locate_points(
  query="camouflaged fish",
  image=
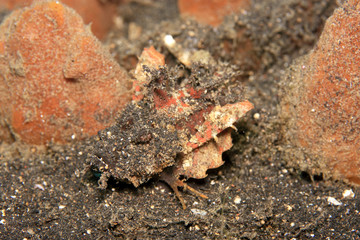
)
(175, 126)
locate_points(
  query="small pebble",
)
(200, 212)
(288, 207)
(237, 200)
(39, 186)
(348, 193)
(169, 40)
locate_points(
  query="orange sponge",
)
(57, 80)
(322, 99)
(211, 12)
(99, 14)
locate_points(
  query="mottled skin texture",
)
(138, 146)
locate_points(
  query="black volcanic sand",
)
(49, 192)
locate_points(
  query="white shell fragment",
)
(333, 201)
